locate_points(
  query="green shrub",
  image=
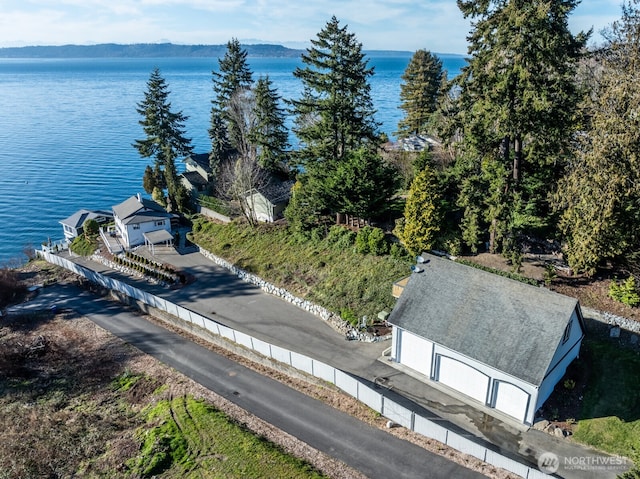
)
(362, 240)
(378, 244)
(371, 240)
(340, 237)
(349, 316)
(625, 292)
(398, 251)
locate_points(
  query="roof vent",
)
(416, 269)
(420, 260)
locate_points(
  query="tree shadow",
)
(602, 382)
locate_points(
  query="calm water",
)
(67, 126)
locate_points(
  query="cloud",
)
(436, 25)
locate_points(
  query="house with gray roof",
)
(139, 220)
(73, 225)
(197, 175)
(503, 344)
(267, 202)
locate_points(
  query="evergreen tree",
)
(220, 146)
(600, 194)
(422, 80)
(270, 134)
(165, 136)
(516, 107)
(334, 115)
(233, 76)
(361, 186)
(149, 181)
(422, 217)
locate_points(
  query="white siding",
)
(463, 378)
(415, 352)
(261, 207)
(510, 399)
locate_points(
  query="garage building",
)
(501, 343)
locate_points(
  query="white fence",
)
(347, 383)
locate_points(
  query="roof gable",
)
(139, 210)
(511, 326)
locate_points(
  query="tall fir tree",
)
(234, 75)
(517, 101)
(334, 117)
(419, 91)
(600, 194)
(165, 139)
(421, 222)
(270, 135)
(335, 114)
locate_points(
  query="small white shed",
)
(499, 342)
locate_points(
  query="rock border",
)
(334, 320)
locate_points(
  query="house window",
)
(567, 333)
(160, 223)
(136, 227)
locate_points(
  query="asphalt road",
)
(372, 451)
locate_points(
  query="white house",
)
(73, 225)
(138, 219)
(267, 202)
(197, 176)
(501, 343)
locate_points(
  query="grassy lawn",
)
(610, 413)
(185, 437)
(325, 270)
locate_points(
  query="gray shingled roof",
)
(202, 159)
(194, 177)
(139, 210)
(77, 219)
(276, 190)
(506, 324)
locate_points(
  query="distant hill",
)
(141, 50)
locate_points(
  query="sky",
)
(435, 25)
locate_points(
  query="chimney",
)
(139, 198)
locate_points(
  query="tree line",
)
(539, 137)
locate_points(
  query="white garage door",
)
(463, 378)
(415, 352)
(511, 399)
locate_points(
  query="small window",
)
(567, 332)
(136, 227)
(160, 223)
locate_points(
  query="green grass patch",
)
(324, 268)
(185, 436)
(83, 246)
(125, 381)
(610, 415)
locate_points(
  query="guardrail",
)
(347, 383)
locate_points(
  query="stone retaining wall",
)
(334, 320)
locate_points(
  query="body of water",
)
(67, 128)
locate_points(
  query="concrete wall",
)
(255, 348)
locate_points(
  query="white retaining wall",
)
(350, 385)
